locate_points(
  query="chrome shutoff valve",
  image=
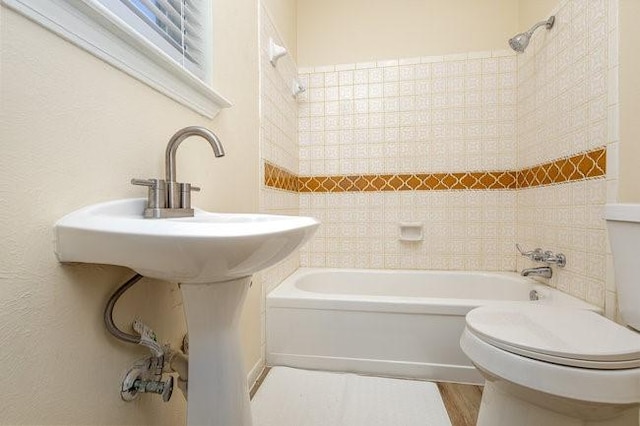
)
(145, 376)
(162, 388)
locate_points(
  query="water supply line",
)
(108, 312)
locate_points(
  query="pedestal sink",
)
(213, 257)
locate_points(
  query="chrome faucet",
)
(541, 271)
(169, 198)
(541, 256)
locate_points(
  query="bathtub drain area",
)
(294, 397)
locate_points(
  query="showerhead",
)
(520, 42)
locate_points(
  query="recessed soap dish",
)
(410, 231)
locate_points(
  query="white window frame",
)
(90, 25)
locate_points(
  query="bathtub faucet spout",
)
(542, 271)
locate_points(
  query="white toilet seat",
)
(582, 384)
(570, 337)
(563, 352)
(571, 362)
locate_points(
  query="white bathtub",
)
(391, 323)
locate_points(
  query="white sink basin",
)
(206, 248)
(219, 250)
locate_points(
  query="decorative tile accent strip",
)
(581, 166)
(280, 178)
(409, 182)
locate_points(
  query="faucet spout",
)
(176, 140)
(170, 157)
(541, 271)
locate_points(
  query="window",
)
(177, 27)
(164, 43)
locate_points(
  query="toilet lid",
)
(564, 336)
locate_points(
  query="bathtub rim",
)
(288, 295)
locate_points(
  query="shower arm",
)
(548, 23)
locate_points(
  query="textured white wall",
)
(74, 131)
(339, 31)
(532, 11)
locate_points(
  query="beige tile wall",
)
(562, 85)
(463, 230)
(567, 218)
(278, 108)
(432, 114)
(566, 104)
(451, 113)
(278, 145)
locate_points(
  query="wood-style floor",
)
(461, 401)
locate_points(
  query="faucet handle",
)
(558, 259)
(157, 191)
(536, 255)
(531, 253)
(145, 182)
(185, 194)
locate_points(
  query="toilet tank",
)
(623, 223)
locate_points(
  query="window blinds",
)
(180, 23)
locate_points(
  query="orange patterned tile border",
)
(409, 182)
(587, 165)
(279, 178)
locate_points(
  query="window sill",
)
(90, 26)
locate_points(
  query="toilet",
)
(555, 366)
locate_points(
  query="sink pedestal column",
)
(218, 394)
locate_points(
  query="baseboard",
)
(254, 373)
(410, 370)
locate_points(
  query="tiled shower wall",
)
(433, 114)
(278, 145)
(463, 230)
(422, 115)
(567, 103)
(487, 111)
